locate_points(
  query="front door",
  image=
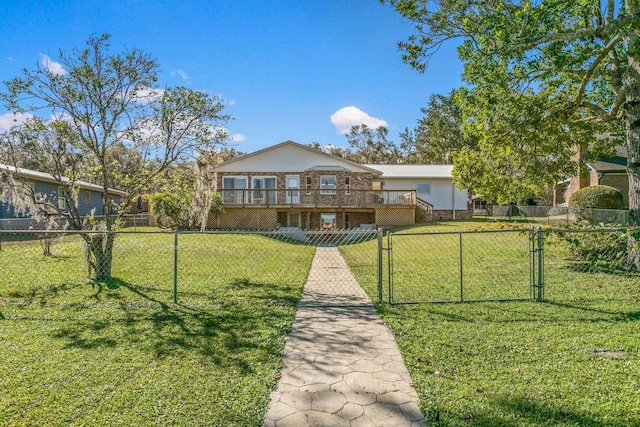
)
(293, 182)
(294, 219)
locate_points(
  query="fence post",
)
(389, 266)
(532, 261)
(461, 272)
(175, 267)
(540, 264)
(379, 264)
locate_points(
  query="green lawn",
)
(120, 352)
(571, 361)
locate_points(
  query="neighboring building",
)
(46, 186)
(292, 185)
(611, 171)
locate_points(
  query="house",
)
(46, 187)
(292, 185)
(611, 171)
(433, 185)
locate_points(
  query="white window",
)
(233, 189)
(347, 185)
(263, 190)
(308, 183)
(423, 188)
(328, 184)
(61, 199)
(87, 197)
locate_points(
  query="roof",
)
(327, 168)
(615, 164)
(47, 177)
(414, 171)
(313, 150)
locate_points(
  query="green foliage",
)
(111, 124)
(597, 197)
(371, 145)
(545, 78)
(439, 133)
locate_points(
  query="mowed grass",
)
(570, 361)
(75, 352)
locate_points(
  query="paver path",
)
(342, 364)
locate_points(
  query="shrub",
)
(597, 197)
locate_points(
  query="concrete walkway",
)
(342, 364)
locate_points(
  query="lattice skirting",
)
(395, 217)
(246, 218)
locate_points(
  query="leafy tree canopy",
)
(545, 77)
(111, 124)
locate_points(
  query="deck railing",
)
(316, 198)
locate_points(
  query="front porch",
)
(315, 198)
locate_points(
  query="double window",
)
(328, 184)
(263, 190)
(233, 189)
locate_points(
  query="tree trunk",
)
(632, 110)
(100, 254)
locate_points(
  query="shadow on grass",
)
(515, 312)
(518, 411)
(248, 324)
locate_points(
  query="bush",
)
(597, 197)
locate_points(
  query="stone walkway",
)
(342, 364)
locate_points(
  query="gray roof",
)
(47, 177)
(615, 164)
(327, 168)
(414, 171)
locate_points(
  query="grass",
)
(75, 352)
(570, 361)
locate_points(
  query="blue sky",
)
(284, 68)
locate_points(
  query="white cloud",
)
(9, 120)
(346, 117)
(52, 66)
(237, 137)
(183, 75)
(147, 95)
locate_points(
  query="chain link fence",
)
(460, 266)
(170, 266)
(554, 264)
(557, 215)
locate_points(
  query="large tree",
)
(369, 145)
(567, 73)
(439, 133)
(110, 121)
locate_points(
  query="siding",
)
(287, 159)
(441, 192)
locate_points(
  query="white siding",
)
(442, 192)
(288, 158)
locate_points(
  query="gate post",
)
(175, 267)
(379, 264)
(540, 296)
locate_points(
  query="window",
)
(328, 184)
(239, 184)
(308, 183)
(87, 197)
(327, 221)
(423, 188)
(347, 220)
(61, 199)
(259, 185)
(347, 185)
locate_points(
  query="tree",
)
(560, 70)
(371, 145)
(439, 133)
(106, 109)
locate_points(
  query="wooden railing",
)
(316, 198)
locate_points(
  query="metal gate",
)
(497, 265)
